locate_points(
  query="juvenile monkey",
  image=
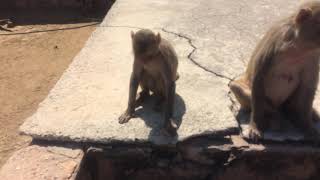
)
(282, 75)
(154, 69)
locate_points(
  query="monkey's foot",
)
(125, 117)
(254, 134)
(170, 128)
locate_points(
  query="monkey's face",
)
(145, 43)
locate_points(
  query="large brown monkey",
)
(282, 76)
(154, 69)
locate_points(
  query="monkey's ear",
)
(158, 37)
(303, 15)
(132, 34)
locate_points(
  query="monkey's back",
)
(268, 48)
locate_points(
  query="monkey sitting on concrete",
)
(154, 69)
(282, 75)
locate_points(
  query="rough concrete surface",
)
(213, 39)
(39, 162)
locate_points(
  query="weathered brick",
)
(38, 163)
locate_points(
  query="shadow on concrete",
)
(155, 119)
(54, 16)
(50, 15)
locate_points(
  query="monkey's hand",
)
(125, 117)
(170, 128)
(254, 134)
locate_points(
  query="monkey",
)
(282, 75)
(155, 70)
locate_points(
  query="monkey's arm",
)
(259, 103)
(170, 85)
(300, 103)
(133, 86)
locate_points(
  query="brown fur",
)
(154, 69)
(282, 75)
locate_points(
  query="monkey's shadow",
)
(155, 120)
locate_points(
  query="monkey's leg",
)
(142, 96)
(177, 76)
(263, 116)
(299, 110)
(145, 84)
(170, 125)
(129, 113)
(242, 92)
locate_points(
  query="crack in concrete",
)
(189, 40)
(232, 107)
(194, 49)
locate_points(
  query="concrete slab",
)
(86, 102)
(213, 39)
(40, 162)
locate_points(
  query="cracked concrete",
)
(68, 113)
(213, 39)
(192, 52)
(86, 102)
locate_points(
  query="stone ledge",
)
(202, 159)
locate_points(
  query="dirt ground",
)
(31, 63)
